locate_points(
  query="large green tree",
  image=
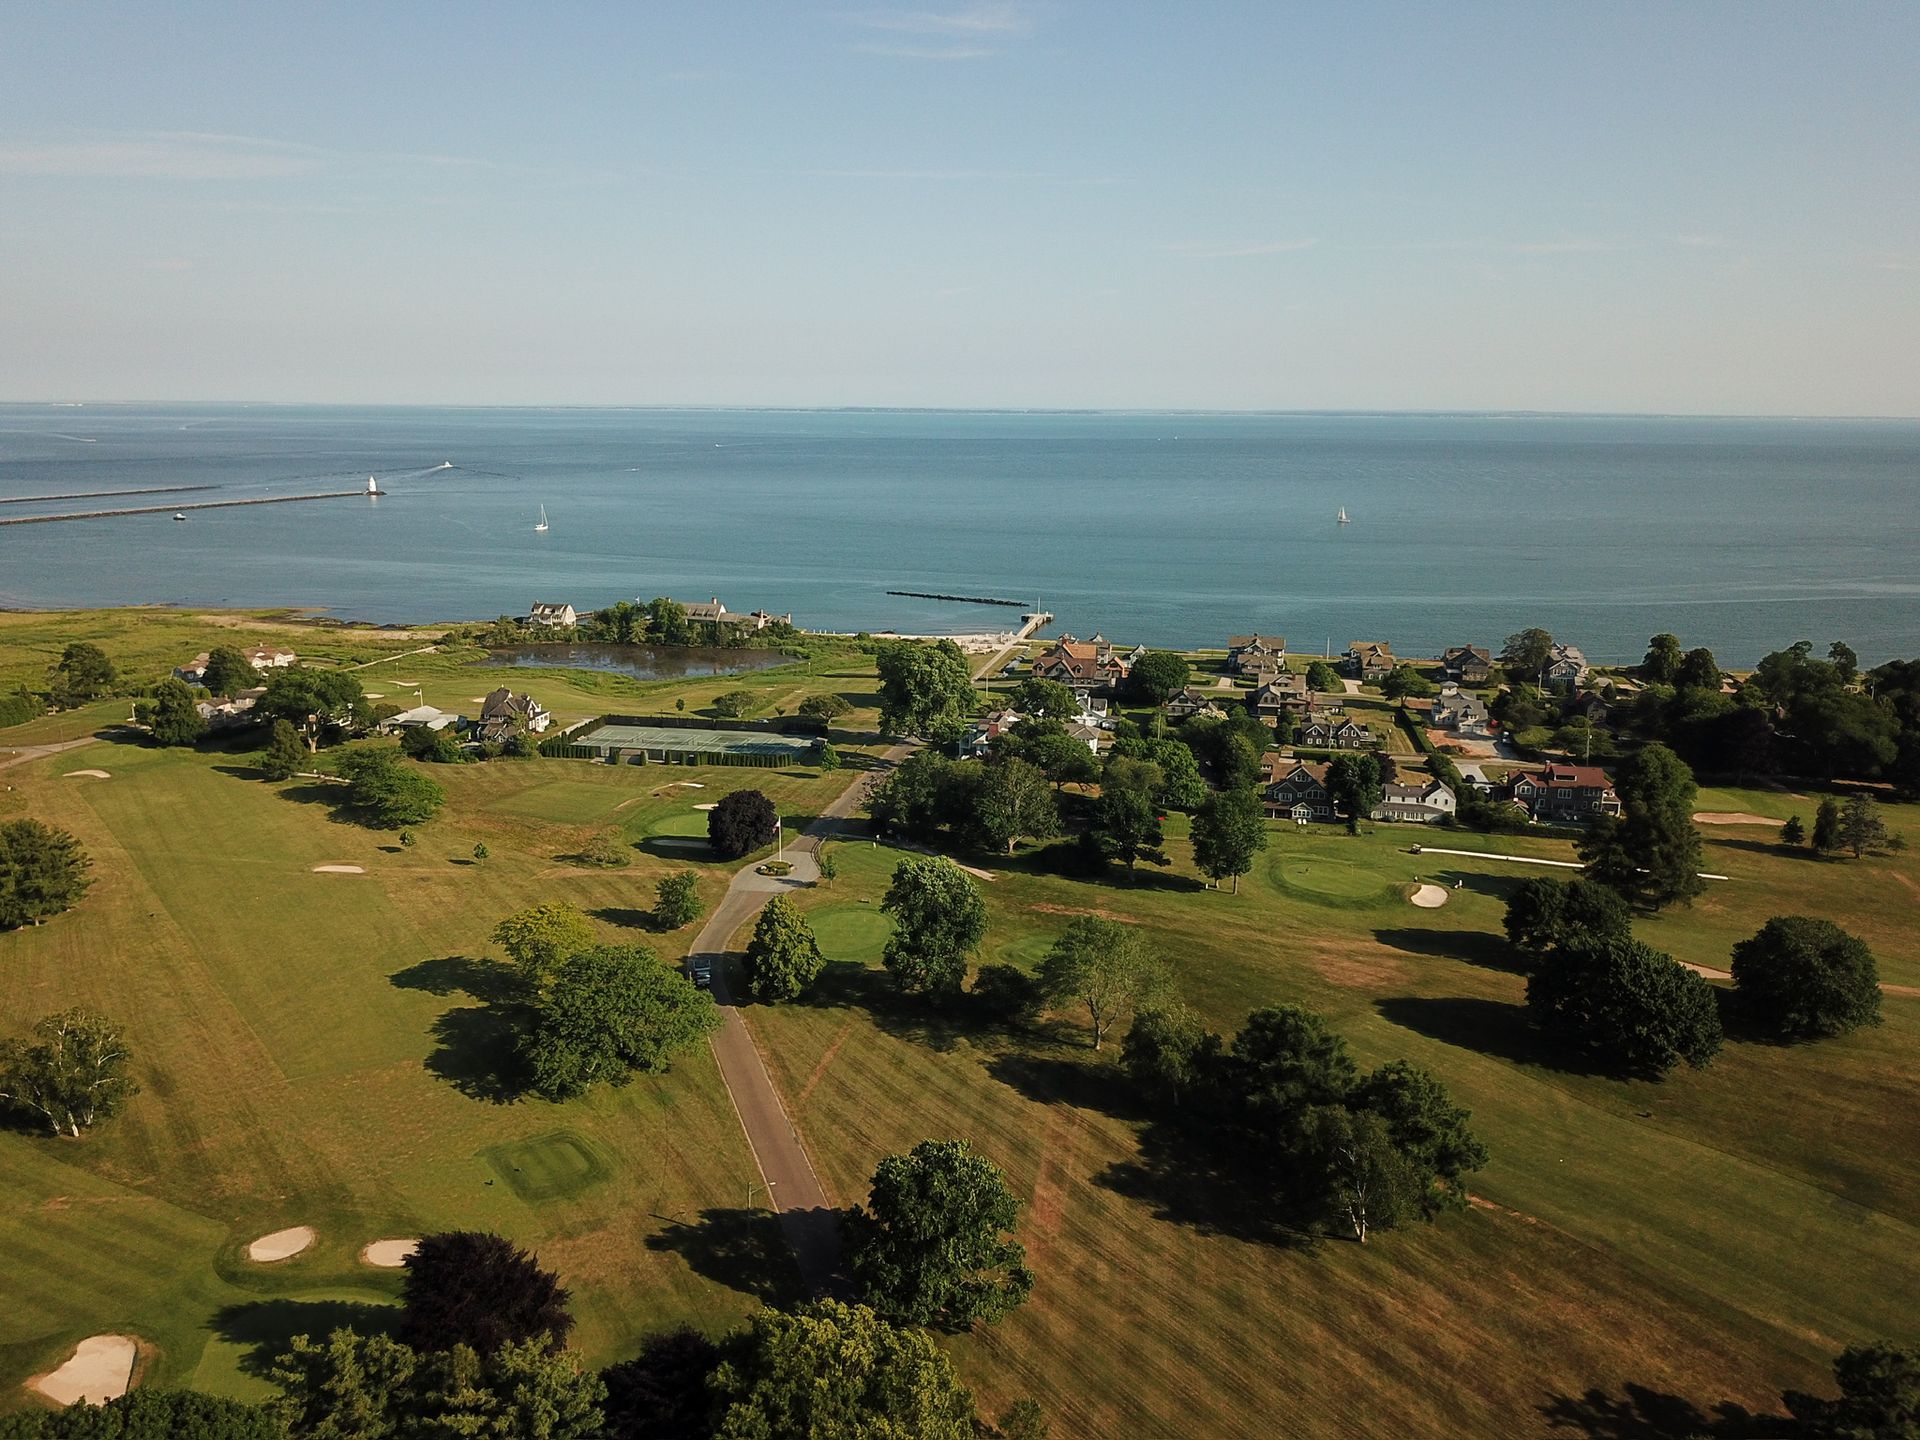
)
(1544, 915)
(783, 958)
(925, 689)
(1652, 853)
(1353, 780)
(676, 900)
(1861, 828)
(1428, 1129)
(1636, 1010)
(741, 823)
(1169, 1051)
(324, 705)
(1801, 978)
(1014, 802)
(1157, 675)
(73, 1071)
(930, 1247)
(1047, 699)
(228, 671)
(1229, 829)
(386, 791)
(608, 1012)
(43, 871)
(1126, 827)
(478, 1289)
(1527, 653)
(149, 1414)
(939, 919)
(284, 753)
(538, 938)
(172, 716)
(84, 673)
(1879, 1396)
(832, 1371)
(1662, 660)
(1106, 967)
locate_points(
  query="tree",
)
(43, 871)
(927, 1249)
(1126, 827)
(324, 705)
(480, 851)
(661, 1394)
(1698, 670)
(1428, 1130)
(823, 707)
(733, 704)
(1107, 967)
(677, 900)
(1527, 653)
(741, 823)
(825, 758)
(939, 919)
(1802, 978)
(1653, 853)
(1050, 699)
(149, 1414)
(1169, 1050)
(84, 673)
(1229, 829)
(913, 800)
(284, 753)
(925, 690)
(1794, 832)
(1365, 1182)
(1845, 662)
(1403, 681)
(1014, 801)
(1663, 660)
(1861, 828)
(1640, 1011)
(1063, 759)
(1158, 675)
(1181, 787)
(1879, 1396)
(386, 792)
(172, 716)
(1546, 915)
(608, 1012)
(472, 1288)
(831, 1371)
(828, 866)
(228, 671)
(1006, 995)
(70, 1074)
(1826, 826)
(540, 937)
(783, 958)
(433, 747)
(349, 1387)
(667, 621)
(1353, 781)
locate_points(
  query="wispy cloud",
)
(982, 19)
(192, 155)
(926, 52)
(1198, 251)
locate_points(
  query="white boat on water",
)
(179, 515)
(1343, 516)
(541, 528)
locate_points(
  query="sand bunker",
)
(408, 684)
(89, 774)
(99, 1370)
(389, 1254)
(1429, 897)
(710, 805)
(339, 870)
(1731, 817)
(280, 1245)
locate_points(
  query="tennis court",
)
(662, 745)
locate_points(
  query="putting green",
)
(1027, 951)
(247, 1338)
(691, 823)
(1329, 881)
(546, 1167)
(850, 932)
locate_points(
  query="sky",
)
(1696, 208)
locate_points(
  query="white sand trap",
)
(375, 695)
(99, 1370)
(1429, 897)
(1731, 817)
(389, 1254)
(281, 1244)
(710, 805)
(89, 774)
(339, 870)
(408, 684)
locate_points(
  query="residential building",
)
(1251, 654)
(1285, 690)
(1563, 794)
(554, 617)
(989, 728)
(1193, 701)
(1567, 669)
(1454, 709)
(1332, 730)
(262, 658)
(1297, 791)
(504, 714)
(1467, 665)
(420, 716)
(1084, 666)
(1369, 660)
(1424, 801)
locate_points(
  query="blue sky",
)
(1689, 208)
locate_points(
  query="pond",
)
(642, 662)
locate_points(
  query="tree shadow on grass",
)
(626, 919)
(1640, 1413)
(490, 981)
(1499, 887)
(265, 1328)
(1083, 1082)
(241, 772)
(1771, 848)
(938, 1024)
(1188, 1181)
(744, 1250)
(1492, 1027)
(1474, 947)
(477, 1052)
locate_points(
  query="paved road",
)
(21, 754)
(794, 1189)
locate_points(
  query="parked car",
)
(701, 969)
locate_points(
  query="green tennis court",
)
(693, 746)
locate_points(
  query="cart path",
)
(794, 1189)
(21, 754)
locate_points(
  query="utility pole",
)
(768, 1187)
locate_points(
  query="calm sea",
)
(1744, 535)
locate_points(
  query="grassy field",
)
(1708, 1240)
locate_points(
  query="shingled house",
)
(1297, 791)
(1284, 691)
(1369, 660)
(504, 714)
(1083, 666)
(1564, 794)
(1184, 704)
(1254, 654)
(1426, 802)
(553, 617)
(1467, 665)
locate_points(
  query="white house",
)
(554, 617)
(1416, 803)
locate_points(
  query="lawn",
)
(1707, 1240)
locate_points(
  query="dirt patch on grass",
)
(1732, 817)
(87, 775)
(281, 1244)
(99, 1370)
(820, 1070)
(1093, 910)
(388, 1254)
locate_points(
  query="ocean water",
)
(1743, 535)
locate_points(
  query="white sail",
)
(541, 528)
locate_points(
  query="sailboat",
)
(541, 528)
(1343, 516)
